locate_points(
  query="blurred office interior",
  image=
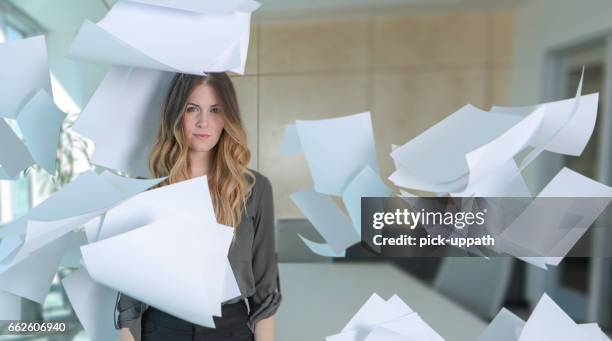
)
(410, 63)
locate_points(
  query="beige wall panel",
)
(283, 99)
(309, 45)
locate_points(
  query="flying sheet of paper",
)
(291, 140)
(126, 146)
(23, 72)
(591, 331)
(8, 245)
(72, 255)
(75, 198)
(179, 199)
(93, 304)
(93, 228)
(505, 326)
(327, 218)
(40, 121)
(206, 6)
(365, 184)
(185, 257)
(337, 149)
(383, 334)
(378, 319)
(562, 127)
(549, 322)
(230, 286)
(557, 241)
(14, 156)
(128, 26)
(375, 311)
(499, 153)
(410, 326)
(432, 161)
(503, 181)
(10, 306)
(31, 278)
(40, 233)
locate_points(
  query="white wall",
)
(544, 25)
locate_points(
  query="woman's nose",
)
(202, 121)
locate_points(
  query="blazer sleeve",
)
(129, 309)
(267, 297)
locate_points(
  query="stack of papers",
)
(386, 320)
(547, 322)
(341, 156)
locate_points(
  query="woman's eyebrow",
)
(189, 103)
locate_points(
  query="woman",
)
(201, 133)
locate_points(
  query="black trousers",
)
(157, 325)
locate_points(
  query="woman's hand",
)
(125, 335)
(264, 329)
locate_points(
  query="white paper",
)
(122, 37)
(93, 304)
(123, 141)
(384, 334)
(550, 238)
(184, 256)
(327, 218)
(503, 182)
(291, 140)
(23, 71)
(375, 311)
(549, 322)
(40, 122)
(14, 156)
(481, 145)
(380, 320)
(365, 184)
(87, 193)
(412, 326)
(185, 198)
(8, 245)
(31, 278)
(505, 326)
(337, 149)
(230, 286)
(40, 233)
(437, 156)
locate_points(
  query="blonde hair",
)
(229, 180)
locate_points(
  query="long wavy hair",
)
(229, 180)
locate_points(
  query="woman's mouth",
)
(201, 136)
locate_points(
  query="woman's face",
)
(203, 118)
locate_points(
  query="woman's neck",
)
(199, 163)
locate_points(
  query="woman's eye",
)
(192, 109)
(215, 110)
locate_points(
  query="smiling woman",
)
(201, 133)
